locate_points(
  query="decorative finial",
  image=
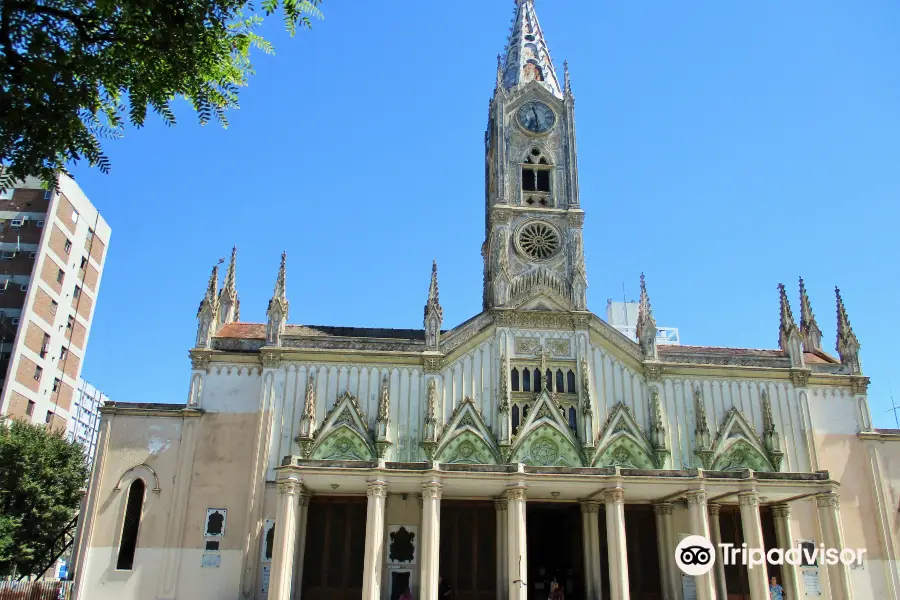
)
(646, 325)
(787, 324)
(277, 313)
(206, 313)
(847, 343)
(567, 84)
(809, 329)
(434, 313)
(229, 304)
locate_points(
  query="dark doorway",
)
(468, 552)
(642, 543)
(554, 550)
(335, 549)
(736, 581)
(399, 583)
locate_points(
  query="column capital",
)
(290, 487)
(696, 498)
(614, 496)
(432, 490)
(376, 489)
(516, 492)
(781, 511)
(663, 508)
(714, 509)
(748, 498)
(828, 500)
(500, 504)
(590, 506)
(305, 497)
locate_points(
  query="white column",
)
(301, 544)
(781, 513)
(377, 494)
(715, 531)
(590, 535)
(284, 545)
(751, 525)
(663, 512)
(699, 525)
(500, 505)
(517, 544)
(431, 535)
(833, 537)
(615, 541)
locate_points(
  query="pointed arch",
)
(545, 438)
(467, 439)
(737, 446)
(343, 435)
(623, 443)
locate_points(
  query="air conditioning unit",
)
(16, 223)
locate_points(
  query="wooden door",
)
(468, 552)
(335, 549)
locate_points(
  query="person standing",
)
(776, 592)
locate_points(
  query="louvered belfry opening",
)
(131, 525)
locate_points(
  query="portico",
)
(626, 515)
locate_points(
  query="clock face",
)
(536, 117)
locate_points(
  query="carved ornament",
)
(515, 493)
(614, 496)
(200, 359)
(859, 385)
(696, 498)
(663, 508)
(829, 500)
(500, 504)
(652, 372)
(376, 489)
(270, 358)
(781, 511)
(748, 498)
(432, 364)
(291, 487)
(432, 490)
(714, 509)
(800, 377)
(590, 507)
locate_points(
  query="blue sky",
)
(724, 147)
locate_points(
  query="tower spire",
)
(809, 329)
(206, 313)
(646, 324)
(229, 304)
(277, 313)
(434, 313)
(527, 55)
(847, 344)
(788, 334)
(567, 83)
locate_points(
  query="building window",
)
(48, 195)
(68, 245)
(6, 194)
(560, 381)
(45, 345)
(515, 419)
(40, 223)
(573, 423)
(570, 381)
(549, 380)
(14, 320)
(526, 380)
(131, 525)
(53, 306)
(56, 383)
(74, 216)
(60, 276)
(535, 180)
(515, 380)
(38, 372)
(70, 322)
(215, 523)
(16, 222)
(24, 287)
(537, 380)
(30, 409)
(7, 255)
(32, 255)
(90, 235)
(84, 262)
(49, 417)
(77, 293)
(63, 353)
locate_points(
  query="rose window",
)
(539, 241)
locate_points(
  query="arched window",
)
(515, 380)
(536, 178)
(560, 381)
(549, 380)
(537, 380)
(131, 525)
(526, 380)
(570, 381)
(515, 419)
(572, 418)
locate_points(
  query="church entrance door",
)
(468, 556)
(736, 581)
(335, 549)
(554, 550)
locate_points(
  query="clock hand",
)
(537, 119)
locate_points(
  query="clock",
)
(536, 117)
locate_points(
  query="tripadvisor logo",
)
(695, 555)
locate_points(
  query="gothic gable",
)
(622, 442)
(545, 438)
(467, 439)
(737, 446)
(343, 435)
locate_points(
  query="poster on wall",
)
(403, 543)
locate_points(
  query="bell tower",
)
(533, 249)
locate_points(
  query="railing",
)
(37, 590)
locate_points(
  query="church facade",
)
(532, 442)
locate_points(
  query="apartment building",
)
(84, 422)
(53, 246)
